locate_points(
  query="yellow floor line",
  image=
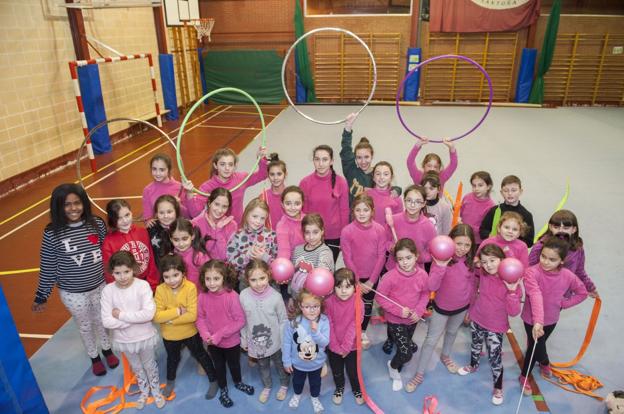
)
(18, 271)
(230, 127)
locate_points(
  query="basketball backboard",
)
(177, 12)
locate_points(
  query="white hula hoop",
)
(328, 29)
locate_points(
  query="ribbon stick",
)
(358, 343)
(457, 204)
(559, 207)
(390, 222)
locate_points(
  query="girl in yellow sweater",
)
(176, 312)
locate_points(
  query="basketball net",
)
(203, 27)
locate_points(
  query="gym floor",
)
(546, 148)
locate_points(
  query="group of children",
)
(200, 267)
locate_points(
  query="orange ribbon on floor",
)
(583, 384)
(115, 394)
(358, 344)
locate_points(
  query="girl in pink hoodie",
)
(453, 281)
(382, 194)
(215, 225)
(495, 302)
(342, 354)
(327, 193)
(187, 242)
(220, 319)
(550, 288)
(164, 183)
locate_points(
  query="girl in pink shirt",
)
(382, 194)
(403, 295)
(288, 229)
(273, 196)
(550, 288)
(476, 204)
(327, 194)
(224, 174)
(495, 302)
(215, 225)
(363, 243)
(342, 354)
(127, 308)
(431, 162)
(187, 242)
(220, 319)
(510, 228)
(164, 183)
(453, 281)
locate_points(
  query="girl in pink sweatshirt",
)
(327, 194)
(510, 228)
(186, 241)
(127, 308)
(215, 225)
(220, 319)
(476, 204)
(382, 194)
(363, 243)
(453, 282)
(403, 295)
(164, 183)
(342, 354)
(277, 172)
(431, 162)
(550, 288)
(413, 224)
(288, 229)
(224, 174)
(496, 301)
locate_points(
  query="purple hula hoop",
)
(424, 62)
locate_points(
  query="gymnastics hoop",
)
(93, 131)
(328, 29)
(188, 115)
(433, 59)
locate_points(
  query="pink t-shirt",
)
(407, 289)
(364, 249)
(421, 231)
(454, 285)
(381, 200)
(494, 303)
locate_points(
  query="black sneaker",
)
(414, 348)
(247, 389)
(337, 397)
(225, 399)
(387, 346)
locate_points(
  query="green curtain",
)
(301, 56)
(546, 54)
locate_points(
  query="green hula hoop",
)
(188, 116)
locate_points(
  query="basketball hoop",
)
(203, 27)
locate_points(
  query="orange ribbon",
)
(457, 204)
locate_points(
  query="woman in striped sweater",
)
(71, 257)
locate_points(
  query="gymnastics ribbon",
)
(495, 220)
(358, 346)
(559, 207)
(430, 405)
(115, 393)
(581, 383)
(457, 204)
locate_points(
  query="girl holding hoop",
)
(71, 257)
(224, 174)
(431, 162)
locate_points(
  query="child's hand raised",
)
(422, 141)
(262, 152)
(449, 144)
(187, 185)
(349, 122)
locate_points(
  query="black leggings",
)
(401, 336)
(221, 356)
(540, 355)
(338, 364)
(334, 245)
(194, 344)
(368, 304)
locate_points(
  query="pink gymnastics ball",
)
(510, 270)
(320, 282)
(282, 269)
(442, 247)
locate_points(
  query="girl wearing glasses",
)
(564, 225)
(303, 348)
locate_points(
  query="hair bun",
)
(274, 156)
(364, 140)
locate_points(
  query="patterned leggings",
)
(85, 309)
(494, 345)
(144, 366)
(401, 336)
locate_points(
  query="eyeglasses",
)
(311, 307)
(411, 202)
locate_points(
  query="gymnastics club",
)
(390, 222)
(387, 298)
(526, 378)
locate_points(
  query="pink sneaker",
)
(526, 387)
(545, 370)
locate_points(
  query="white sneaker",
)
(366, 343)
(468, 369)
(497, 396)
(317, 406)
(395, 376)
(294, 401)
